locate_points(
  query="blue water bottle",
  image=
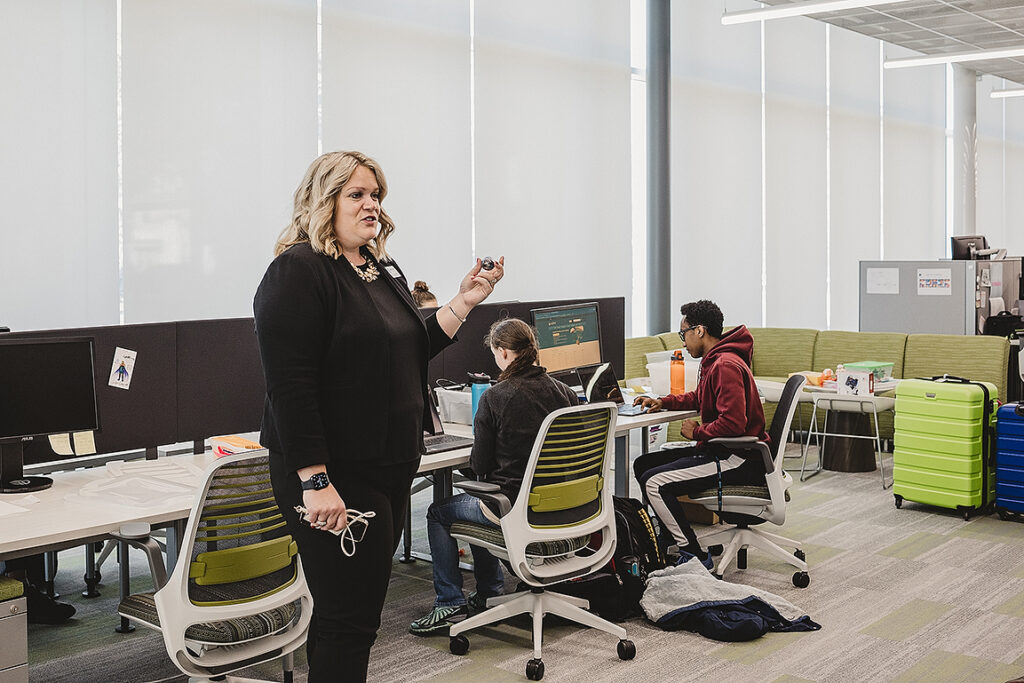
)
(479, 382)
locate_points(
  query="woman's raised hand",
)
(478, 283)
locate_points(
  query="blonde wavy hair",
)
(313, 212)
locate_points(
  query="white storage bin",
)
(455, 405)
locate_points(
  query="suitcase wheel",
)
(1003, 515)
(899, 501)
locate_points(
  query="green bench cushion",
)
(981, 358)
(779, 351)
(636, 360)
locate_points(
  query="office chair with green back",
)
(242, 598)
(546, 535)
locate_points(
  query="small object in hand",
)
(487, 263)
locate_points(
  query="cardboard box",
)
(855, 382)
(881, 371)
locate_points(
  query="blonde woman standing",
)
(345, 358)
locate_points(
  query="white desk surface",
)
(62, 518)
(622, 424)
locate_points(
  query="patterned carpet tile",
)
(974, 632)
(957, 668)
(911, 547)
(907, 620)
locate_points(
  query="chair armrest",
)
(747, 443)
(133, 536)
(489, 492)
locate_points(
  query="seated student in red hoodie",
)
(729, 405)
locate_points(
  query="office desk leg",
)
(442, 484)
(50, 572)
(92, 577)
(175, 532)
(407, 557)
(124, 578)
(622, 465)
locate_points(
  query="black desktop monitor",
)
(966, 247)
(47, 387)
(568, 336)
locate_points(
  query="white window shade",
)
(396, 84)
(716, 162)
(219, 126)
(914, 161)
(795, 173)
(552, 146)
(854, 190)
(58, 164)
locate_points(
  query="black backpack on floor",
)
(615, 590)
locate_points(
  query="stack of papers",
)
(232, 444)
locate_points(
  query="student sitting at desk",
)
(729, 406)
(506, 424)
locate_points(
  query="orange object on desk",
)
(677, 379)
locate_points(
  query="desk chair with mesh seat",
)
(746, 507)
(546, 535)
(242, 598)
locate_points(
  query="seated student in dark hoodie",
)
(507, 421)
(729, 406)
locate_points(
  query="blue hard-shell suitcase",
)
(1010, 460)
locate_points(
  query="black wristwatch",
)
(316, 482)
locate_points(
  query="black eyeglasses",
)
(682, 333)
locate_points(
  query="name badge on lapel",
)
(392, 270)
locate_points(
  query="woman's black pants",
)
(348, 592)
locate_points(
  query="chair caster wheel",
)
(717, 576)
(535, 669)
(801, 579)
(626, 650)
(458, 645)
(716, 550)
(799, 554)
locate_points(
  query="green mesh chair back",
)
(242, 550)
(566, 484)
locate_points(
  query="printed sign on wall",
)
(934, 282)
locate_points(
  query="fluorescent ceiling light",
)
(954, 57)
(800, 9)
(1009, 92)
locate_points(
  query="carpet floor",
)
(915, 594)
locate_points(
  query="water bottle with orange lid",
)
(678, 373)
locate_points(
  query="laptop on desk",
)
(434, 438)
(599, 384)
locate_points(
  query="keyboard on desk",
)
(630, 410)
(439, 443)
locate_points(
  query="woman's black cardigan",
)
(326, 360)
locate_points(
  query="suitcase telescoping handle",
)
(948, 378)
(1019, 409)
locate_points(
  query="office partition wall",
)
(220, 385)
(142, 416)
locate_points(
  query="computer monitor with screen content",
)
(969, 247)
(568, 336)
(47, 387)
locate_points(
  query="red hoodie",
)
(726, 395)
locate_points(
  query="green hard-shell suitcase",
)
(943, 443)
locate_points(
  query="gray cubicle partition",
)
(918, 297)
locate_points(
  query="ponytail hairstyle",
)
(422, 295)
(515, 335)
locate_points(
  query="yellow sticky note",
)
(85, 444)
(61, 444)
